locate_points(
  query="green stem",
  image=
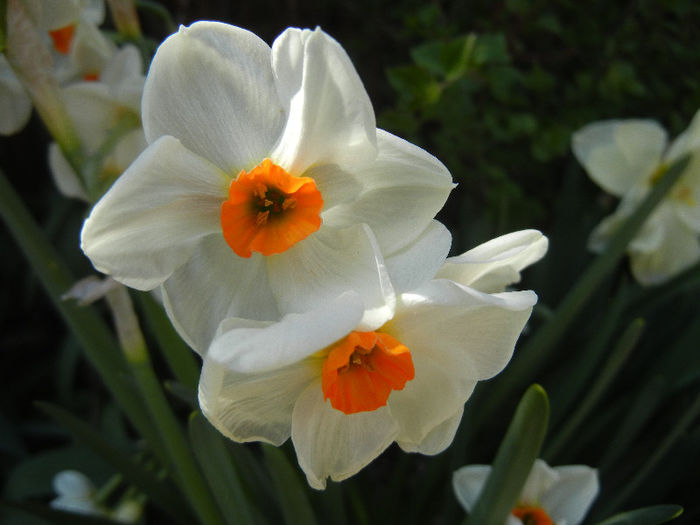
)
(631, 486)
(90, 330)
(181, 458)
(617, 359)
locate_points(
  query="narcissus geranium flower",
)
(344, 393)
(551, 496)
(266, 188)
(626, 158)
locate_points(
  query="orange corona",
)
(362, 369)
(268, 210)
(62, 38)
(531, 515)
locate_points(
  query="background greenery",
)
(493, 89)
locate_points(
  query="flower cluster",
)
(296, 250)
(627, 158)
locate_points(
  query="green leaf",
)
(646, 516)
(290, 489)
(516, 455)
(3, 25)
(219, 471)
(178, 355)
(491, 49)
(160, 491)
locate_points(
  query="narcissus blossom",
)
(551, 496)
(266, 188)
(626, 158)
(106, 115)
(345, 393)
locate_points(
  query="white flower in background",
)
(76, 493)
(81, 53)
(98, 108)
(266, 188)
(551, 496)
(344, 393)
(626, 158)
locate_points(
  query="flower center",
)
(268, 210)
(531, 515)
(62, 38)
(362, 369)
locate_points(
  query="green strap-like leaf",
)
(159, 491)
(219, 471)
(290, 491)
(55, 516)
(516, 455)
(646, 516)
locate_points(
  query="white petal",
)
(327, 264)
(73, 483)
(215, 284)
(471, 334)
(572, 495)
(65, 178)
(15, 106)
(685, 195)
(332, 444)
(125, 64)
(331, 120)
(428, 400)
(91, 50)
(456, 336)
(492, 266)
(150, 221)
(538, 481)
(468, 482)
(402, 191)
(94, 112)
(211, 86)
(438, 439)
(617, 154)
(250, 350)
(252, 407)
(418, 262)
(678, 250)
(336, 184)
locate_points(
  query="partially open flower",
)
(551, 496)
(626, 158)
(344, 393)
(266, 188)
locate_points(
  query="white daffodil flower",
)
(551, 496)
(98, 108)
(76, 493)
(266, 188)
(344, 393)
(626, 158)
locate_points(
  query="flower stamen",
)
(62, 38)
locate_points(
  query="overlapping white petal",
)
(565, 493)
(404, 181)
(330, 117)
(211, 86)
(149, 223)
(331, 444)
(492, 266)
(618, 154)
(327, 264)
(213, 285)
